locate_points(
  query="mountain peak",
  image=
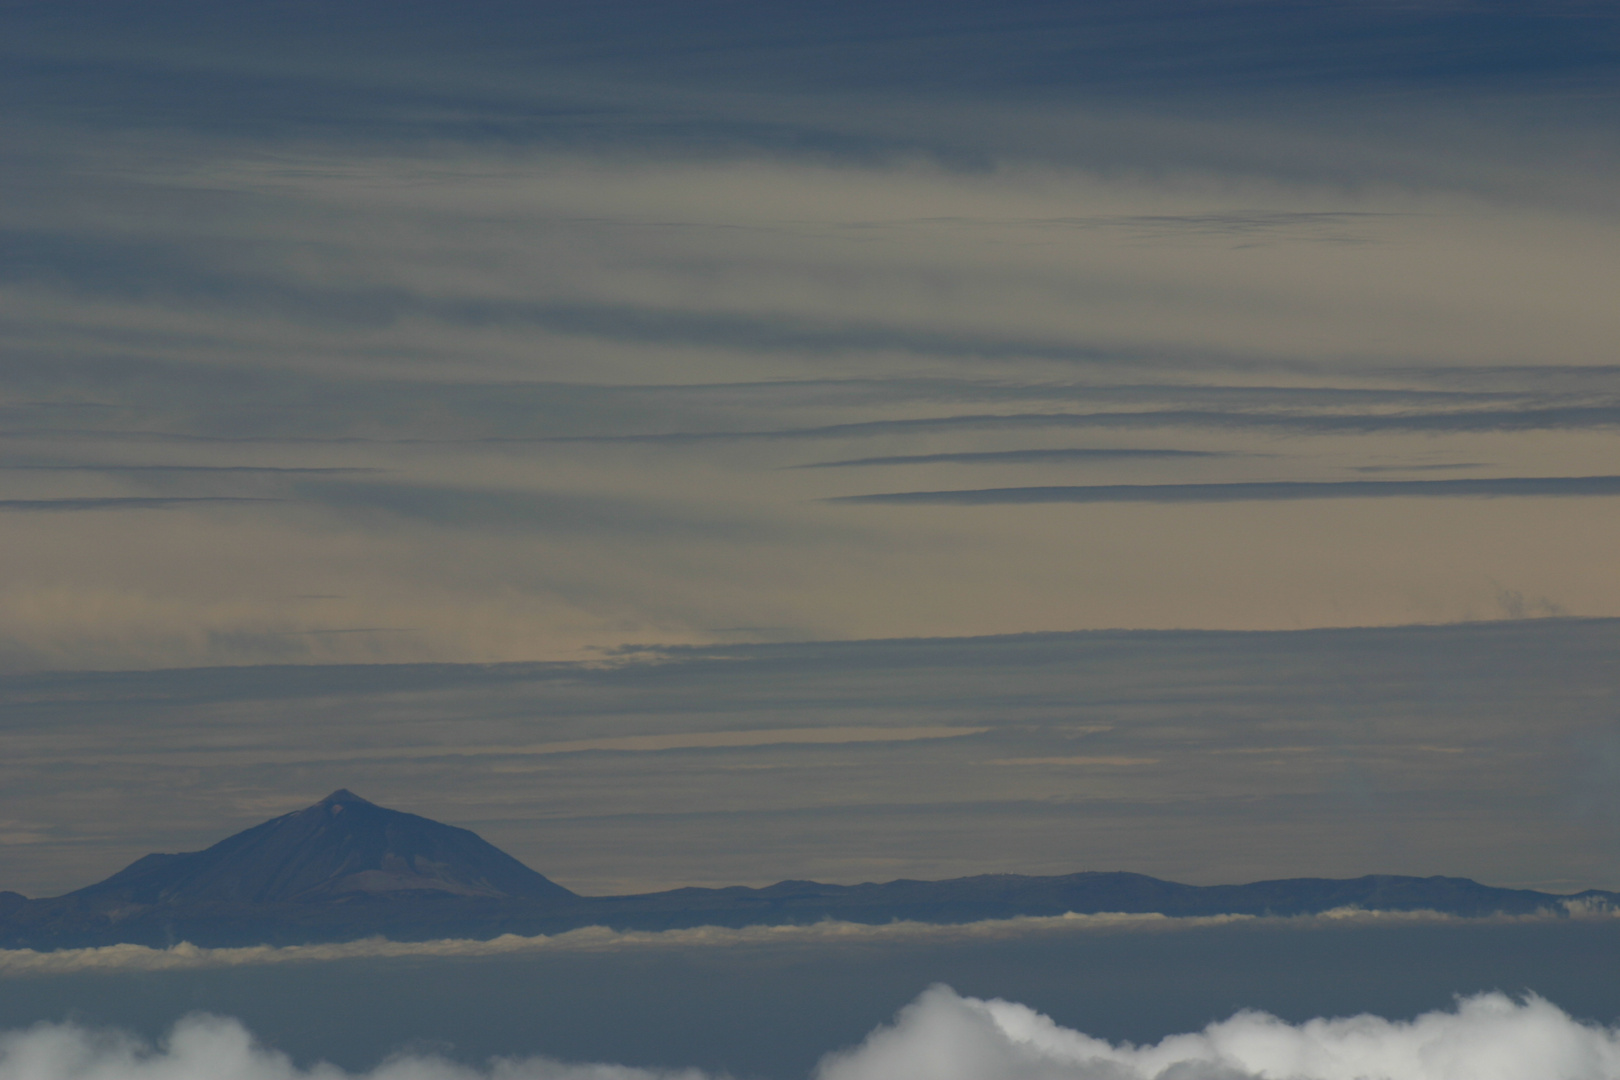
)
(341, 848)
(343, 797)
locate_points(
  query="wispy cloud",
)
(1419, 467)
(545, 333)
(1016, 457)
(1456, 421)
(514, 755)
(1265, 491)
(476, 508)
(68, 505)
(247, 470)
(1078, 760)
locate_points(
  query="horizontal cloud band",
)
(1451, 421)
(1014, 457)
(186, 956)
(133, 502)
(1262, 491)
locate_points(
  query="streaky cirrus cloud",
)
(1016, 457)
(1263, 491)
(523, 313)
(1472, 420)
(943, 1036)
(63, 506)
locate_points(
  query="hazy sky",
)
(1487, 750)
(665, 353)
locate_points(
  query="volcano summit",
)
(342, 848)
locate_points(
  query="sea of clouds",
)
(186, 956)
(945, 1036)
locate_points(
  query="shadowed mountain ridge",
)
(345, 869)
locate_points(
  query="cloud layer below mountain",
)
(945, 1036)
(186, 956)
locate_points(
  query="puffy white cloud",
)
(943, 1036)
(216, 1048)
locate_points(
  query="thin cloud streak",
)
(132, 502)
(1501, 420)
(1015, 457)
(624, 744)
(271, 470)
(1264, 491)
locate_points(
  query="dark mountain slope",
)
(340, 848)
(345, 869)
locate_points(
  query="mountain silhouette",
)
(341, 848)
(345, 869)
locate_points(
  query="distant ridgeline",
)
(346, 869)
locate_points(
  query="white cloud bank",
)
(943, 1036)
(185, 955)
(598, 938)
(216, 1048)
